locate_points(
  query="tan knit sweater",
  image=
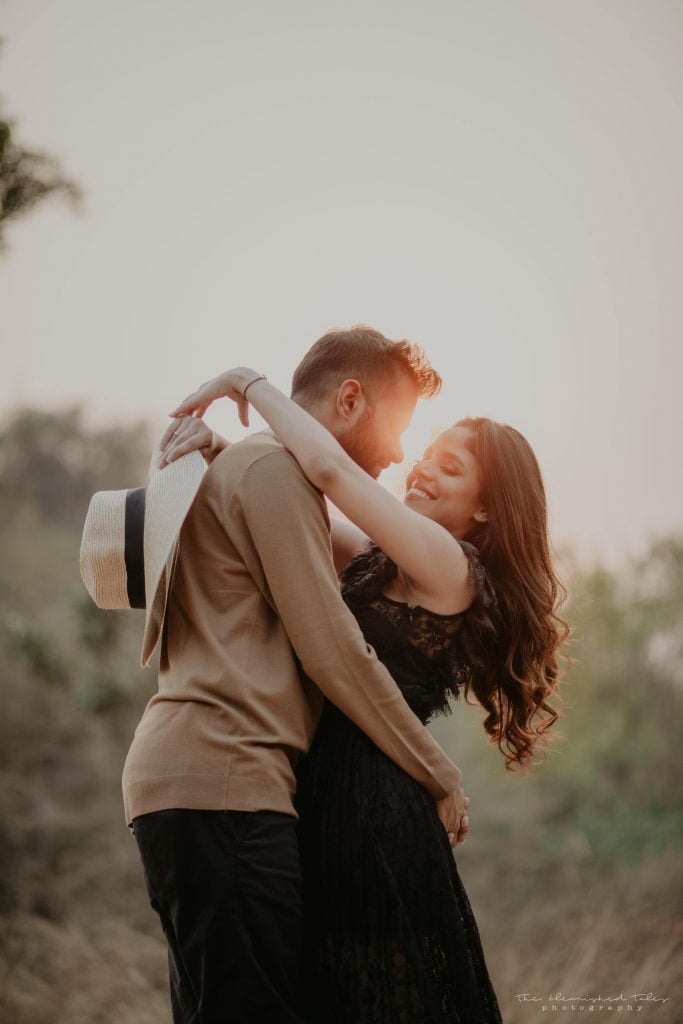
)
(256, 633)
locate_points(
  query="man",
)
(256, 634)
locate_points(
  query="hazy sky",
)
(499, 180)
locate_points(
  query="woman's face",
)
(444, 484)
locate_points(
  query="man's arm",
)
(289, 529)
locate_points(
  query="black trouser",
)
(227, 887)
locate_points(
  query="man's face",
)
(373, 440)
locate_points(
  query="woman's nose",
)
(423, 467)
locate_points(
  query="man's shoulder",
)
(259, 468)
(255, 454)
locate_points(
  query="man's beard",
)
(359, 444)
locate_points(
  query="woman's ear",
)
(481, 516)
(350, 399)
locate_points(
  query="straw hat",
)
(130, 541)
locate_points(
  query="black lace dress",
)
(389, 933)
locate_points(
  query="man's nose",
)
(397, 452)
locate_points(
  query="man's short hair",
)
(363, 354)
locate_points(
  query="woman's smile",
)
(419, 492)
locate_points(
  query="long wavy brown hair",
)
(516, 676)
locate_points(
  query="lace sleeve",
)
(367, 575)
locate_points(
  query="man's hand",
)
(452, 811)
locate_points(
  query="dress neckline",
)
(421, 608)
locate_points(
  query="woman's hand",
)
(230, 384)
(188, 434)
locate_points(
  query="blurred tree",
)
(51, 463)
(27, 177)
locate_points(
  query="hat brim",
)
(170, 493)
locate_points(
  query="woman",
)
(454, 589)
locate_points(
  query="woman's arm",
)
(425, 551)
(194, 435)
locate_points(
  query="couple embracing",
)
(295, 819)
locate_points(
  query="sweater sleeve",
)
(288, 524)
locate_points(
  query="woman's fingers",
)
(200, 399)
(186, 434)
(180, 449)
(169, 432)
(230, 385)
(176, 429)
(190, 404)
(176, 440)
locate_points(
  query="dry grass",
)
(602, 935)
(68, 974)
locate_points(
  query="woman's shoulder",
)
(367, 574)
(371, 571)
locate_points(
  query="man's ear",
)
(350, 399)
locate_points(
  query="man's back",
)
(233, 709)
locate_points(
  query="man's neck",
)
(320, 411)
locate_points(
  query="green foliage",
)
(36, 651)
(618, 770)
(99, 634)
